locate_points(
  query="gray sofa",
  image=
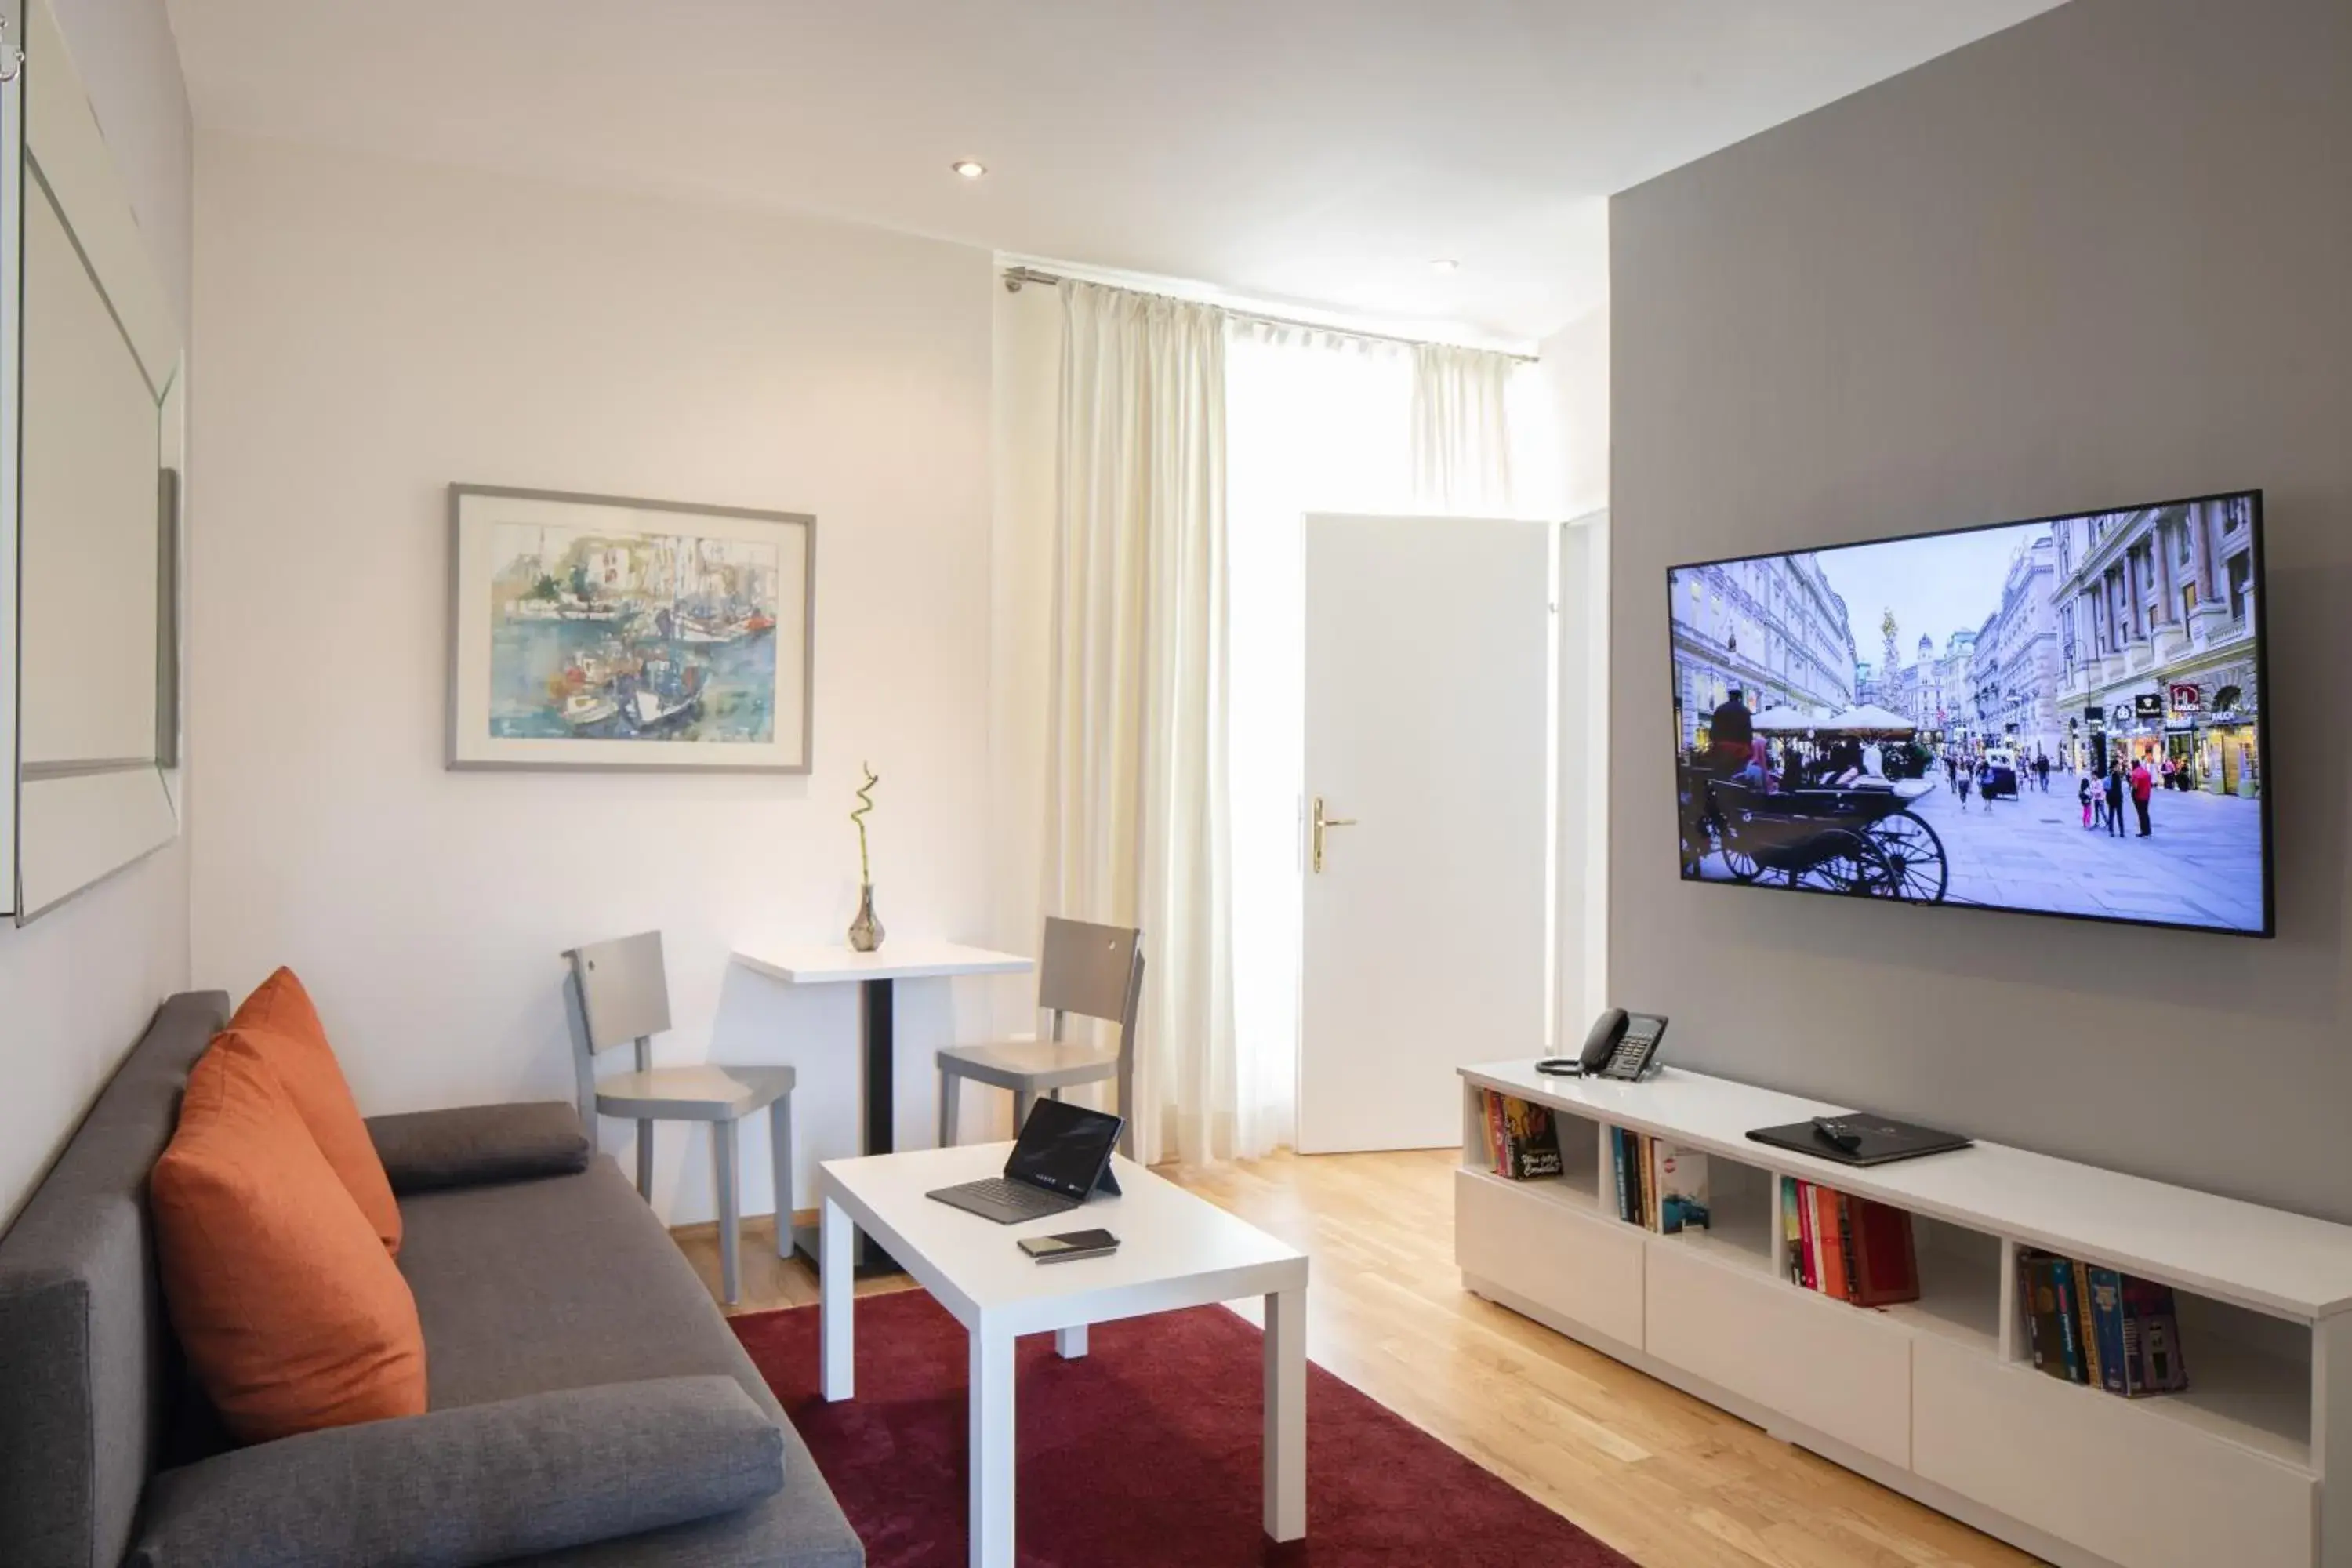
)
(589, 1404)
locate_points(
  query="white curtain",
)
(1462, 430)
(1138, 831)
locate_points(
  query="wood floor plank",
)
(1667, 1479)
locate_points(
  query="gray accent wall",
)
(2104, 256)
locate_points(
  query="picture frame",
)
(617, 634)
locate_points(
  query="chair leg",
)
(1127, 1105)
(722, 1156)
(1022, 1101)
(646, 1161)
(951, 1098)
(780, 1158)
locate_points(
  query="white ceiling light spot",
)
(970, 168)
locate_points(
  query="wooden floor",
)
(1663, 1478)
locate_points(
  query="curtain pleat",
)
(1462, 430)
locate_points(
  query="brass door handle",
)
(1320, 823)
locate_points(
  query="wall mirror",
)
(90, 478)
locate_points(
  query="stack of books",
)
(1845, 1246)
(2093, 1325)
(1660, 1184)
(1522, 1144)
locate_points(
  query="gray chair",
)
(1093, 971)
(620, 995)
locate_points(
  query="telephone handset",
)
(1622, 1046)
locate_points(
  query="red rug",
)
(1142, 1455)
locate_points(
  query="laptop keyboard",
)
(1031, 1201)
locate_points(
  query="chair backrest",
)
(1093, 971)
(622, 989)
(617, 993)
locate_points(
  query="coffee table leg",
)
(992, 1449)
(1071, 1342)
(1286, 1415)
(838, 1298)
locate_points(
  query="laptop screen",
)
(1063, 1147)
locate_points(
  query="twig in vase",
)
(866, 794)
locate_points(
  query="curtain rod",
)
(1014, 277)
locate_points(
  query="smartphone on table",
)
(1070, 1243)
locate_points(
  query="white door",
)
(1425, 928)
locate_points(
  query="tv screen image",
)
(2063, 716)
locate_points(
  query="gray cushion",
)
(570, 1282)
(476, 1143)
(476, 1485)
(88, 1370)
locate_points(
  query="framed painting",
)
(602, 632)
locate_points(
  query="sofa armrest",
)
(477, 1484)
(476, 1143)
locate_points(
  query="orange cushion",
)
(292, 1314)
(279, 1024)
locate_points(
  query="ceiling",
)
(1311, 151)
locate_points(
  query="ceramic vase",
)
(865, 931)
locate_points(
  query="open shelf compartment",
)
(2250, 1374)
(1581, 1152)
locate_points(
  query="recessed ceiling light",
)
(1443, 264)
(970, 168)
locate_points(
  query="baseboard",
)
(710, 1227)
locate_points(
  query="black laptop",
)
(1063, 1154)
(1860, 1138)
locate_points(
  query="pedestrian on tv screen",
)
(2143, 784)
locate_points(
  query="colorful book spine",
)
(1656, 1166)
(1829, 1266)
(2107, 1330)
(2086, 1328)
(1617, 1169)
(2151, 1339)
(1495, 1131)
(1809, 1253)
(1792, 1241)
(2069, 1342)
(1638, 1159)
(1852, 1291)
(2029, 1291)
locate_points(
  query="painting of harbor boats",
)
(623, 634)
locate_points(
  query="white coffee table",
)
(1176, 1251)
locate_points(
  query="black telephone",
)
(1622, 1045)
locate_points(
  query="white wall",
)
(1575, 372)
(2093, 259)
(77, 987)
(379, 329)
(1027, 330)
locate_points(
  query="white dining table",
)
(877, 975)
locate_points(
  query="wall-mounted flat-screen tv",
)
(2065, 716)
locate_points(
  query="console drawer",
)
(2105, 1473)
(1551, 1245)
(1821, 1364)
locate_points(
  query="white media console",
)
(1938, 1398)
